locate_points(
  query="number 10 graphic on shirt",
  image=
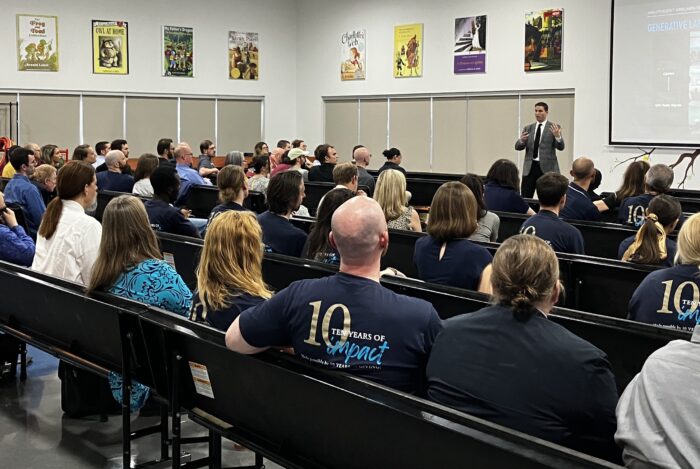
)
(343, 346)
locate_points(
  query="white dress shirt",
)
(657, 415)
(72, 250)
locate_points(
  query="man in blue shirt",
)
(113, 179)
(188, 176)
(348, 321)
(552, 193)
(579, 205)
(657, 181)
(21, 191)
(284, 195)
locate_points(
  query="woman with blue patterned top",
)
(130, 265)
(318, 247)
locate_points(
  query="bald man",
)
(579, 205)
(348, 321)
(361, 155)
(113, 179)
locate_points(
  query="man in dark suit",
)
(541, 140)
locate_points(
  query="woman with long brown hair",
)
(50, 155)
(68, 238)
(229, 275)
(632, 186)
(145, 166)
(130, 265)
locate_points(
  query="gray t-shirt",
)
(487, 228)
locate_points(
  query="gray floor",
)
(34, 433)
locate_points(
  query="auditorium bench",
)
(274, 404)
(627, 343)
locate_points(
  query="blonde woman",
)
(229, 276)
(390, 193)
(45, 178)
(129, 264)
(50, 155)
(233, 189)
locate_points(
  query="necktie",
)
(536, 148)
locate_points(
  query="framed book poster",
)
(110, 47)
(37, 43)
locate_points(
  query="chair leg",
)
(23, 361)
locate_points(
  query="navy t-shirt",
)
(461, 265)
(225, 207)
(533, 376)
(223, 318)
(166, 218)
(349, 323)
(579, 205)
(280, 236)
(503, 199)
(670, 250)
(633, 210)
(110, 181)
(668, 297)
(555, 231)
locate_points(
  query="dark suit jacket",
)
(547, 150)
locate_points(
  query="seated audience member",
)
(393, 161)
(344, 177)
(188, 176)
(84, 153)
(101, 150)
(284, 196)
(362, 156)
(206, 166)
(283, 164)
(668, 297)
(229, 275)
(21, 191)
(509, 364)
(297, 159)
(166, 152)
(114, 179)
(127, 263)
(651, 244)
(16, 246)
(595, 184)
(546, 224)
(656, 424)
(50, 155)
(502, 189)
(446, 256)
(318, 246)
(261, 149)
(579, 205)
(121, 145)
(298, 143)
(327, 157)
(368, 330)
(44, 178)
(161, 213)
(69, 239)
(632, 186)
(147, 163)
(9, 171)
(657, 181)
(488, 223)
(235, 158)
(276, 157)
(233, 189)
(390, 193)
(260, 179)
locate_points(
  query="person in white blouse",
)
(142, 176)
(69, 239)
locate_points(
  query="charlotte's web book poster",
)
(37, 43)
(243, 56)
(543, 40)
(110, 47)
(408, 50)
(178, 51)
(470, 44)
(353, 49)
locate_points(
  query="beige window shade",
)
(373, 121)
(197, 122)
(450, 135)
(410, 132)
(561, 111)
(103, 118)
(51, 119)
(341, 127)
(147, 121)
(491, 132)
(239, 126)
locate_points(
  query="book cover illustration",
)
(178, 51)
(353, 49)
(37, 43)
(543, 40)
(470, 44)
(110, 47)
(408, 50)
(243, 56)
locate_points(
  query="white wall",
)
(211, 21)
(585, 63)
